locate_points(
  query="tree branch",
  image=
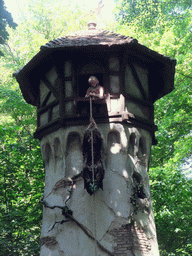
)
(187, 76)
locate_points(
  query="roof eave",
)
(25, 78)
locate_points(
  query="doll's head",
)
(93, 81)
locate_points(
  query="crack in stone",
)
(58, 222)
(83, 228)
(119, 174)
(110, 208)
(63, 183)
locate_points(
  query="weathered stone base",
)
(115, 221)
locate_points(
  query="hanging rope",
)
(91, 113)
(93, 170)
(92, 149)
(93, 174)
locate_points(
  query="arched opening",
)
(74, 156)
(138, 186)
(142, 148)
(131, 145)
(57, 148)
(46, 152)
(113, 142)
(83, 82)
(99, 107)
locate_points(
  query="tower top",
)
(97, 40)
(132, 76)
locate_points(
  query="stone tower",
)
(117, 218)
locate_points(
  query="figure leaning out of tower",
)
(95, 90)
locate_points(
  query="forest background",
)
(162, 25)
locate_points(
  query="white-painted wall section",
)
(115, 221)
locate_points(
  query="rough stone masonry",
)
(117, 220)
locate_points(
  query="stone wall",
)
(117, 220)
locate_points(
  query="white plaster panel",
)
(43, 91)
(143, 76)
(114, 83)
(55, 112)
(51, 76)
(140, 253)
(79, 203)
(131, 86)
(69, 108)
(51, 99)
(113, 64)
(117, 161)
(68, 89)
(67, 68)
(151, 234)
(138, 110)
(151, 231)
(44, 118)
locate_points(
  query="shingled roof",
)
(98, 37)
(90, 37)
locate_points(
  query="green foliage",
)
(52, 19)
(166, 27)
(21, 186)
(21, 169)
(151, 15)
(5, 18)
(172, 194)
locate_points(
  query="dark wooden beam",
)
(50, 86)
(138, 81)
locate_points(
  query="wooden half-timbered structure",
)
(132, 75)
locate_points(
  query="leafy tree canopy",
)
(5, 18)
(166, 27)
(150, 14)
